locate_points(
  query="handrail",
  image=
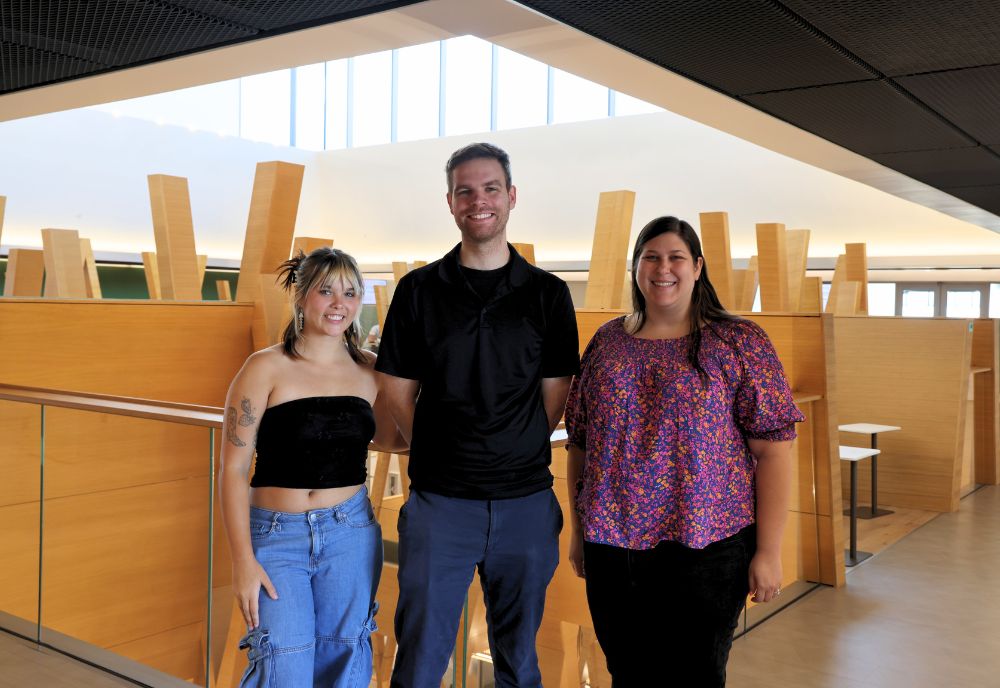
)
(169, 411)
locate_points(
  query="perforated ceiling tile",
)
(22, 66)
(736, 46)
(948, 167)
(909, 36)
(986, 197)
(268, 15)
(968, 97)
(868, 117)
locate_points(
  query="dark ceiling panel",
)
(900, 37)
(735, 46)
(947, 167)
(22, 66)
(268, 15)
(968, 97)
(986, 197)
(868, 117)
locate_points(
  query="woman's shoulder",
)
(612, 328)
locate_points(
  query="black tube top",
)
(314, 443)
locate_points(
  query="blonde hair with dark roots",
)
(301, 274)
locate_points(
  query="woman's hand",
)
(576, 553)
(765, 576)
(248, 578)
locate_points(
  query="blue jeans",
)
(515, 545)
(325, 566)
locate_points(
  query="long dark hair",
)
(301, 274)
(705, 305)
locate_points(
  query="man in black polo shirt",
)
(477, 354)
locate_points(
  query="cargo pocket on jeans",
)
(260, 672)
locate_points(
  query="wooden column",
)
(718, 259)
(745, 285)
(610, 251)
(25, 270)
(381, 304)
(309, 244)
(173, 229)
(797, 248)
(152, 271)
(772, 256)
(63, 264)
(90, 279)
(274, 206)
(812, 295)
(399, 270)
(202, 266)
(857, 271)
(223, 290)
(527, 251)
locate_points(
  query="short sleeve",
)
(576, 402)
(399, 349)
(561, 346)
(763, 406)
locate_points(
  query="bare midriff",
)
(293, 501)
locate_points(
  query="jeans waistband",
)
(315, 514)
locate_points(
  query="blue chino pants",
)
(514, 543)
(325, 565)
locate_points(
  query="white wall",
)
(87, 170)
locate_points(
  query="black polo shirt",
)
(480, 429)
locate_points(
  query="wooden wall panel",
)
(90, 278)
(914, 373)
(274, 205)
(272, 311)
(772, 261)
(609, 255)
(25, 272)
(63, 264)
(986, 354)
(845, 298)
(152, 272)
(19, 573)
(718, 258)
(173, 229)
(797, 247)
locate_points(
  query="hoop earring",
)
(300, 321)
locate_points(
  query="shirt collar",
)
(450, 272)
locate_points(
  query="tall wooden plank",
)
(399, 270)
(857, 270)
(772, 257)
(274, 206)
(527, 251)
(309, 244)
(272, 312)
(90, 270)
(812, 295)
(173, 229)
(839, 277)
(845, 297)
(381, 304)
(202, 266)
(986, 354)
(25, 270)
(422, 263)
(797, 247)
(223, 290)
(718, 259)
(609, 256)
(745, 283)
(63, 264)
(152, 271)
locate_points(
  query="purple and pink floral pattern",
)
(667, 455)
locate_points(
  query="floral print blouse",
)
(666, 455)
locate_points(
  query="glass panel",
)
(125, 567)
(826, 293)
(310, 90)
(881, 298)
(995, 300)
(963, 303)
(371, 106)
(627, 105)
(336, 105)
(20, 430)
(918, 303)
(577, 99)
(522, 91)
(266, 108)
(418, 84)
(468, 85)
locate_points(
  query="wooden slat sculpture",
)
(25, 272)
(718, 260)
(527, 251)
(746, 282)
(772, 256)
(173, 229)
(90, 279)
(609, 257)
(223, 290)
(309, 244)
(63, 264)
(274, 206)
(152, 271)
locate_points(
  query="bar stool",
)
(872, 430)
(852, 557)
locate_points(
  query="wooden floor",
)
(923, 613)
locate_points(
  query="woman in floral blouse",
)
(680, 430)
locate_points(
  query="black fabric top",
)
(314, 443)
(485, 282)
(480, 429)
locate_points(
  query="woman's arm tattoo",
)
(231, 427)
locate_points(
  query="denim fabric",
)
(666, 616)
(325, 566)
(515, 545)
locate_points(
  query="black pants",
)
(665, 617)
